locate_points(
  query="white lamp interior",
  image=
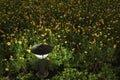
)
(41, 56)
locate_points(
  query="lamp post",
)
(41, 51)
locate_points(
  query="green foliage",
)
(60, 55)
(23, 76)
(85, 36)
(69, 74)
(107, 73)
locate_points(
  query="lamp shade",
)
(41, 51)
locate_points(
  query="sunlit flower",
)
(15, 41)
(80, 18)
(102, 21)
(8, 43)
(108, 39)
(12, 35)
(67, 30)
(11, 58)
(94, 26)
(85, 52)
(109, 28)
(100, 48)
(100, 33)
(65, 42)
(48, 58)
(19, 42)
(108, 34)
(32, 22)
(116, 21)
(114, 46)
(25, 40)
(44, 40)
(48, 30)
(28, 50)
(64, 15)
(23, 37)
(93, 42)
(95, 34)
(90, 47)
(6, 69)
(5, 59)
(21, 58)
(59, 36)
(105, 36)
(84, 61)
(78, 30)
(101, 43)
(79, 43)
(43, 35)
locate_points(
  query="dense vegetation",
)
(85, 35)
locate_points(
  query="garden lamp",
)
(41, 51)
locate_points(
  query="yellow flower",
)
(102, 21)
(25, 40)
(28, 50)
(90, 47)
(11, 58)
(33, 23)
(5, 59)
(93, 42)
(6, 69)
(101, 43)
(44, 40)
(108, 39)
(48, 58)
(73, 49)
(80, 18)
(65, 42)
(84, 61)
(22, 58)
(79, 43)
(95, 58)
(43, 35)
(59, 36)
(100, 33)
(8, 43)
(85, 52)
(19, 42)
(105, 36)
(114, 46)
(12, 35)
(95, 34)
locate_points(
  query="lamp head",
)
(41, 51)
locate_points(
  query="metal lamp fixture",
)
(41, 51)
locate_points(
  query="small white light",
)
(41, 56)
